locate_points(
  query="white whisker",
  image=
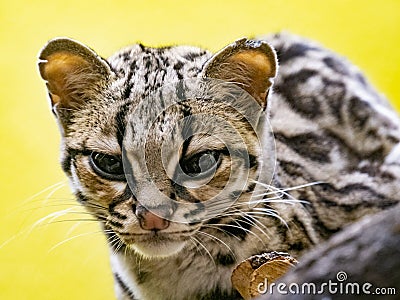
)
(220, 229)
(72, 238)
(279, 190)
(252, 220)
(269, 213)
(198, 250)
(115, 243)
(237, 226)
(251, 224)
(218, 240)
(51, 216)
(55, 185)
(205, 249)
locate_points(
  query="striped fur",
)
(330, 127)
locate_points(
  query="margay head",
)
(161, 143)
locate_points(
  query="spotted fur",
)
(330, 127)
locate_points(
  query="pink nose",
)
(150, 221)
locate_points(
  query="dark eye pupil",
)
(206, 161)
(107, 165)
(201, 163)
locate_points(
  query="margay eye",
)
(202, 163)
(107, 166)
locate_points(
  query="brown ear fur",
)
(71, 71)
(250, 64)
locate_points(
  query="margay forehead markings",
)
(141, 71)
(145, 127)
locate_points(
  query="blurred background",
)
(48, 249)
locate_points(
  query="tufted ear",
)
(248, 63)
(72, 72)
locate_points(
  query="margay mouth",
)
(156, 243)
(158, 235)
(151, 236)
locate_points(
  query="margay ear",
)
(248, 63)
(73, 72)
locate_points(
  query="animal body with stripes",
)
(152, 169)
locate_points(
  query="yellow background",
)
(32, 264)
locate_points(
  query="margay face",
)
(156, 167)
